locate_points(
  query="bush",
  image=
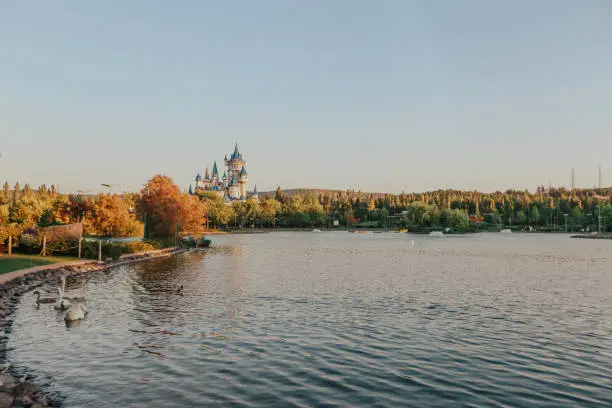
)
(89, 249)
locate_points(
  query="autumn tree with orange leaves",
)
(111, 215)
(163, 204)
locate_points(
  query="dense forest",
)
(161, 207)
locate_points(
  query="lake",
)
(336, 319)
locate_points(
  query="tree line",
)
(161, 209)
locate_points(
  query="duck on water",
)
(43, 300)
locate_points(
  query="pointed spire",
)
(190, 190)
(243, 172)
(215, 172)
(206, 175)
(234, 181)
(198, 177)
(236, 154)
(224, 175)
(255, 191)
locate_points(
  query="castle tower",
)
(235, 167)
(215, 173)
(255, 194)
(243, 178)
(198, 178)
(234, 188)
(206, 179)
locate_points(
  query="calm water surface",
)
(337, 319)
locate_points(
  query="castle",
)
(232, 185)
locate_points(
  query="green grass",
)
(15, 262)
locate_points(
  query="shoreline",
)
(594, 236)
(22, 392)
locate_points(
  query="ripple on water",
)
(336, 319)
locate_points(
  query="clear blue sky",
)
(372, 95)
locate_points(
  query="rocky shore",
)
(20, 392)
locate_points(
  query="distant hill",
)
(294, 191)
(314, 191)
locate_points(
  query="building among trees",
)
(230, 186)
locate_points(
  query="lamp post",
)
(565, 215)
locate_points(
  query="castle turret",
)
(234, 188)
(243, 177)
(198, 178)
(255, 194)
(215, 172)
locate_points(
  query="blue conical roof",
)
(215, 172)
(255, 190)
(224, 175)
(190, 190)
(243, 172)
(198, 177)
(234, 181)
(236, 154)
(206, 174)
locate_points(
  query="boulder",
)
(6, 400)
(7, 383)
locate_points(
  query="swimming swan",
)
(43, 300)
(62, 302)
(76, 312)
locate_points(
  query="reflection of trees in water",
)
(159, 311)
(213, 280)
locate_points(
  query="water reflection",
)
(337, 319)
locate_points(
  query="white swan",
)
(76, 312)
(62, 303)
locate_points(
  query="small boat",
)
(506, 231)
(436, 234)
(403, 230)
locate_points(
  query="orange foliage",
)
(111, 216)
(164, 204)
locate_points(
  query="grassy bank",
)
(15, 262)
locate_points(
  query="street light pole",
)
(565, 215)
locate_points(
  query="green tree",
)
(534, 215)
